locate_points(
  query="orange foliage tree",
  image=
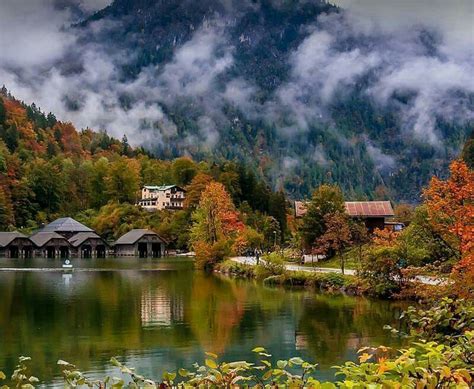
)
(215, 224)
(451, 210)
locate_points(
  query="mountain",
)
(299, 89)
(50, 170)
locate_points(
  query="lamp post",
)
(275, 241)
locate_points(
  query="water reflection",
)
(162, 319)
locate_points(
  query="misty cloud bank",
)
(418, 57)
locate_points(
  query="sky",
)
(34, 37)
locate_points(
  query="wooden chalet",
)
(373, 213)
(50, 245)
(140, 243)
(88, 245)
(15, 245)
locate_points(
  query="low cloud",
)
(413, 62)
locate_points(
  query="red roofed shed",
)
(373, 213)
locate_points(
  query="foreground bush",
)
(422, 365)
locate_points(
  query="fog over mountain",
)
(370, 95)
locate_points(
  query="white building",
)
(162, 197)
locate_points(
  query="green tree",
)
(123, 180)
(183, 169)
(327, 199)
(468, 151)
(99, 195)
(46, 182)
(278, 208)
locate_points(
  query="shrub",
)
(445, 321)
(236, 269)
(208, 255)
(271, 265)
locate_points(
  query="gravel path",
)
(428, 280)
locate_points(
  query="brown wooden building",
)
(373, 213)
(140, 243)
(15, 245)
(50, 245)
(88, 245)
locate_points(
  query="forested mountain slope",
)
(48, 170)
(304, 92)
(283, 85)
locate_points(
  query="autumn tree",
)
(404, 213)
(327, 199)
(359, 235)
(215, 224)
(248, 239)
(195, 189)
(336, 237)
(450, 206)
(216, 217)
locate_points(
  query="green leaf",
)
(113, 361)
(296, 361)
(258, 350)
(211, 363)
(183, 372)
(267, 375)
(63, 363)
(2, 375)
(282, 364)
(212, 355)
(33, 379)
(118, 384)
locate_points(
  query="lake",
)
(162, 314)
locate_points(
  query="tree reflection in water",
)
(164, 319)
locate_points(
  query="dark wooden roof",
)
(41, 238)
(7, 237)
(81, 237)
(369, 209)
(66, 224)
(133, 236)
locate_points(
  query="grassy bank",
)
(276, 275)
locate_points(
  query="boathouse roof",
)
(133, 236)
(81, 237)
(66, 224)
(41, 238)
(7, 237)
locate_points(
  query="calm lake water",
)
(165, 315)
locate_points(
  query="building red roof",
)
(369, 208)
(364, 209)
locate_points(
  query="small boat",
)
(67, 264)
